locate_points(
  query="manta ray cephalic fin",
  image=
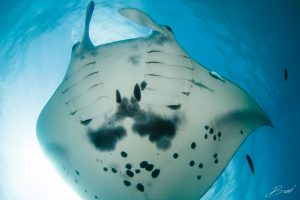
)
(86, 43)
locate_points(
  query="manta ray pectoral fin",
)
(143, 19)
(86, 43)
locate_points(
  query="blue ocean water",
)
(248, 42)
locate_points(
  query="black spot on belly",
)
(215, 137)
(77, 173)
(128, 166)
(219, 134)
(86, 122)
(114, 170)
(127, 183)
(155, 173)
(96, 197)
(160, 130)
(205, 136)
(137, 171)
(149, 167)
(106, 138)
(199, 177)
(216, 161)
(118, 96)
(206, 127)
(143, 85)
(200, 165)
(242, 132)
(192, 163)
(134, 60)
(193, 145)
(211, 130)
(143, 164)
(105, 169)
(129, 173)
(140, 187)
(175, 155)
(215, 155)
(137, 92)
(124, 154)
(174, 107)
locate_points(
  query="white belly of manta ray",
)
(139, 119)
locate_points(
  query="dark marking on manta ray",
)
(215, 137)
(155, 173)
(134, 60)
(85, 122)
(155, 51)
(90, 63)
(105, 169)
(193, 145)
(216, 161)
(137, 92)
(114, 170)
(140, 187)
(96, 197)
(285, 74)
(199, 177)
(106, 138)
(211, 130)
(154, 62)
(175, 155)
(206, 127)
(205, 136)
(215, 155)
(185, 93)
(149, 167)
(200, 165)
(143, 85)
(129, 173)
(118, 96)
(219, 134)
(192, 163)
(250, 163)
(127, 183)
(143, 164)
(124, 154)
(160, 130)
(77, 172)
(128, 166)
(201, 85)
(174, 107)
(241, 132)
(137, 171)
(74, 112)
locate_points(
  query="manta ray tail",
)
(86, 43)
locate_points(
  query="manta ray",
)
(140, 119)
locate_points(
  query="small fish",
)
(250, 163)
(216, 76)
(285, 74)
